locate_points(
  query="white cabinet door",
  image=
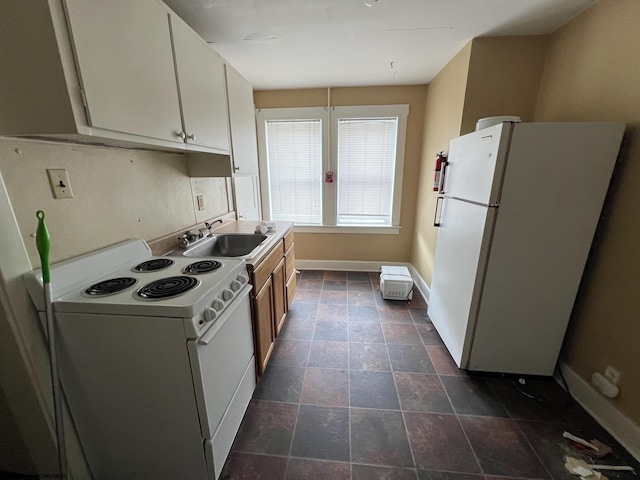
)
(200, 74)
(247, 193)
(243, 123)
(125, 64)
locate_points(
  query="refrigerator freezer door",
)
(461, 256)
(476, 164)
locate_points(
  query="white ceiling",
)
(279, 44)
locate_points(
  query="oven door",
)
(221, 359)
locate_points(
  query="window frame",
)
(329, 118)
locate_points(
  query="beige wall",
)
(593, 73)
(489, 76)
(118, 194)
(504, 78)
(360, 247)
(442, 122)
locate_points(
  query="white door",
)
(461, 253)
(476, 164)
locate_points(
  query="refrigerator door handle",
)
(438, 211)
(445, 166)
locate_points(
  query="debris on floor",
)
(602, 451)
(588, 471)
(596, 449)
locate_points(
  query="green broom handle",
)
(43, 242)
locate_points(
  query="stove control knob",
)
(210, 314)
(242, 278)
(227, 294)
(218, 305)
(236, 285)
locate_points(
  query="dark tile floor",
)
(362, 388)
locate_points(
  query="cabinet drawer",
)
(288, 240)
(266, 267)
(290, 261)
(291, 290)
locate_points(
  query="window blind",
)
(366, 165)
(294, 159)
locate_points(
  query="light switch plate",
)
(200, 200)
(59, 180)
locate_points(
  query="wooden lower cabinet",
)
(263, 325)
(279, 297)
(272, 296)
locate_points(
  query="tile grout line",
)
(475, 456)
(404, 420)
(535, 452)
(349, 385)
(295, 424)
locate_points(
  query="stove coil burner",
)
(203, 266)
(167, 288)
(111, 286)
(153, 265)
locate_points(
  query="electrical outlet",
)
(59, 180)
(612, 375)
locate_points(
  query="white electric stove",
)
(156, 358)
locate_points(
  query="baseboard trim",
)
(342, 265)
(358, 266)
(622, 428)
(419, 282)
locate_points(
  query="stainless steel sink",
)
(226, 245)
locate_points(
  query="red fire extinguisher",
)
(441, 159)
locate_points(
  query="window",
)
(362, 146)
(294, 152)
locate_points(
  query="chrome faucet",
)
(190, 237)
(209, 226)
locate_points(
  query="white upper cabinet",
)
(201, 83)
(111, 72)
(125, 65)
(244, 145)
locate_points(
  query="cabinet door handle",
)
(236, 169)
(191, 137)
(180, 134)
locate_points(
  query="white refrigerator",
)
(517, 212)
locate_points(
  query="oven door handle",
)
(217, 324)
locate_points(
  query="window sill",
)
(386, 230)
